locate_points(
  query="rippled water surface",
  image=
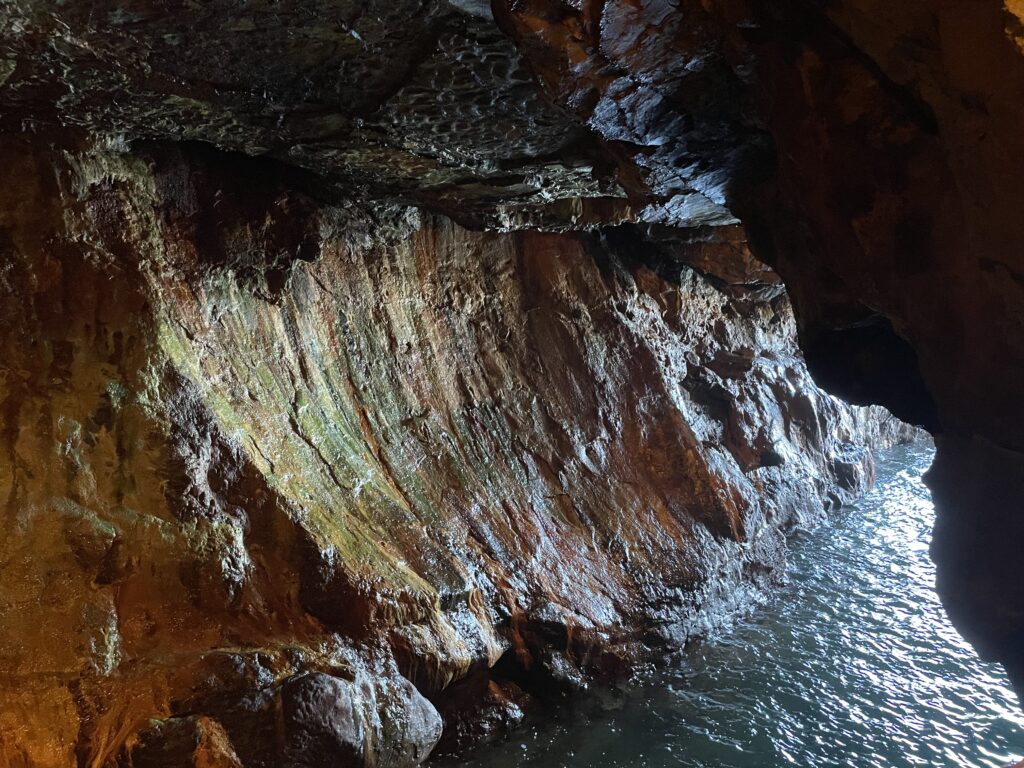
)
(852, 664)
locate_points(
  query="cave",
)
(374, 372)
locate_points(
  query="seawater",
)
(852, 664)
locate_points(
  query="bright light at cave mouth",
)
(852, 663)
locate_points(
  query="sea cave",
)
(530, 382)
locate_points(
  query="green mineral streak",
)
(313, 454)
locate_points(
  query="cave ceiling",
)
(410, 102)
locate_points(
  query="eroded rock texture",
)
(286, 484)
(425, 102)
(346, 443)
(874, 153)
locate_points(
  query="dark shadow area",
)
(870, 363)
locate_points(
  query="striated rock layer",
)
(872, 150)
(288, 483)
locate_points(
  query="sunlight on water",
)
(853, 664)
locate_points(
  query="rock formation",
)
(372, 368)
(873, 151)
(284, 480)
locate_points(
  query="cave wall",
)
(874, 154)
(286, 478)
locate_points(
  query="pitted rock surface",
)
(421, 102)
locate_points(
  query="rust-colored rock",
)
(279, 475)
(874, 153)
(263, 423)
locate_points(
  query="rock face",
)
(270, 434)
(874, 152)
(291, 483)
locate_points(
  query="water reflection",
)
(854, 664)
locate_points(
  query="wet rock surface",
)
(874, 155)
(201, 191)
(273, 511)
(422, 102)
